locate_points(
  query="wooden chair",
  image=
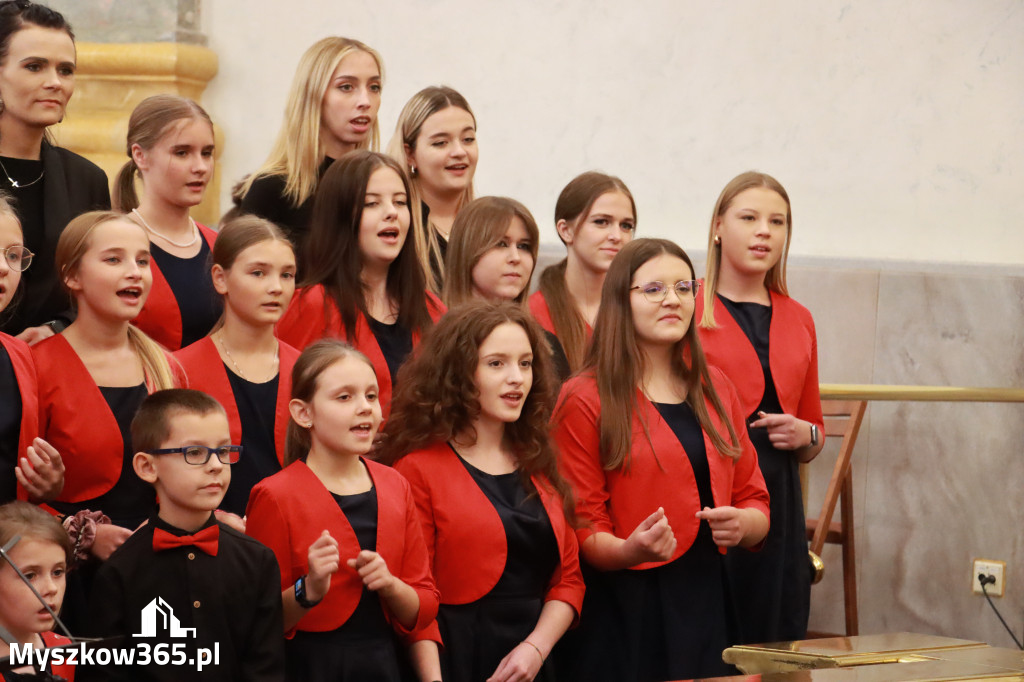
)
(842, 419)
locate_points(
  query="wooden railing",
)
(922, 393)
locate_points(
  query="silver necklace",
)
(220, 337)
(195, 231)
(15, 183)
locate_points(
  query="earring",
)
(2, 106)
(307, 425)
(413, 171)
(718, 239)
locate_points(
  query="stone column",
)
(127, 51)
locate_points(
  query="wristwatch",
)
(300, 594)
(814, 434)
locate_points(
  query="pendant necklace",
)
(238, 370)
(15, 183)
(195, 231)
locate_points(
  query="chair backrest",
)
(842, 419)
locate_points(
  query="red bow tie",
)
(205, 540)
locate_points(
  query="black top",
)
(683, 422)
(257, 410)
(266, 199)
(190, 281)
(131, 499)
(10, 427)
(71, 185)
(395, 343)
(361, 511)
(532, 548)
(232, 600)
(562, 370)
(435, 263)
(755, 320)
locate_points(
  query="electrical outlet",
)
(994, 568)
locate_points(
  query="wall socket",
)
(996, 569)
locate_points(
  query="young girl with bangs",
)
(666, 480)
(42, 555)
(242, 364)
(49, 184)
(354, 569)
(331, 110)
(491, 256)
(469, 430)
(362, 281)
(435, 139)
(765, 343)
(25, 460)
(595, 217)
(170, 148)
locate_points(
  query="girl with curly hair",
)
(469, 430)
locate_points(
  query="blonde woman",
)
(435, 141)
(331, 110)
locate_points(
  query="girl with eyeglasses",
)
(344, 529)
(666, 480)
(50, 185)
(25, 459)
(765, 343)
(241, 363)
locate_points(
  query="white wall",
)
(896, 125)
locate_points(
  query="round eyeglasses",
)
(18, 258)
(655, 292)
(200, 454)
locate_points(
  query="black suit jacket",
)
(72, 185)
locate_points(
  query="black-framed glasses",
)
(18, 258)
(200, 454)
(655, 292)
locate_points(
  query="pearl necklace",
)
(238, 370)
(195, 231)
(17, 185)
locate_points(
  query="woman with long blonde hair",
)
(331, 110)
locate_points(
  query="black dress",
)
(395, 343)
(671, 622)
(257, 410)
(10, 427)
(479, 634)
(192, 287)
(363, 648)
(772, 587)
(266, 199)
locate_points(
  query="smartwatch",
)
(814, 434)
(300, 594)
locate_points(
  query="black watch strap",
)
(300, 594)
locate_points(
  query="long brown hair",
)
(437, 398)
(775, 278)
(416, 111)
(74, 242)
(573, 206)
(152, 118)
(333, 258)
(617, 363)
(478, 228)
(312, 363)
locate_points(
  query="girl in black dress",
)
(50, 185)
(665, 477)
(765, 343)
(331, 110)
(435, 139)
(170, 145)
(470, 431)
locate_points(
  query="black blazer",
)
(72, 185)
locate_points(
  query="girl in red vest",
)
(354, 567)
(765, 343)
(170, 147)
(666, 480)
(242, 364)
(595, 217)
(362, 281)
(470, 432)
